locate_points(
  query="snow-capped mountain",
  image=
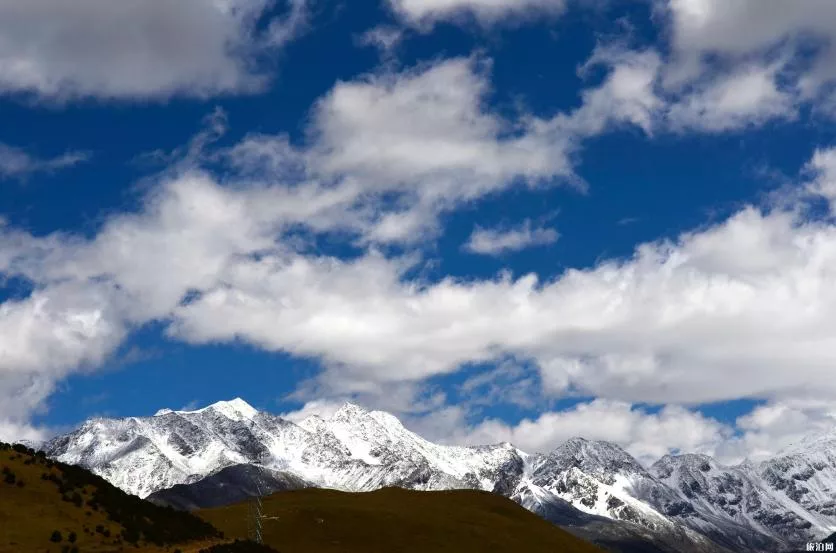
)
(777, 504)
(806, 474)
(682, 504)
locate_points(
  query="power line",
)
(255, 515)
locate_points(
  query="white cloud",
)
(823, 169)
(664, 326)
(764, 432)
(745, 25)
(627, 94)
(17, 163)
(763, 71)
(635, 92)
(322, 408)
(771, 428)
(510, 382)
(749, 96)
(385, 155)
(13, 432)
(742, 30)
(137, 48)
(192, 232)
(498, 241)
(385, 38)
(647, 436)
(422, 141)
(428, 122)
(427, 12)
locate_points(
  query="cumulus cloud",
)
(743, 96)
(498, 241)
(749, 96)
(424, 141)
(386, 39)
(627, 94)
(768, 430)
(777, 427)
(193, 232)
(216, 262)
(321, 408)
(427, 12)
(17, 163)
(801, 32)
(823, 168)
(664, 326)
(647, 436)
(13, 433)
(139, 48)
(726, 65)
(746, 25)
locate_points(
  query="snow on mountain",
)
(805, 474)
(753, 507)
(682, 502)
(601, 479)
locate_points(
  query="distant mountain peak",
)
(812, 441)
(591, 449)
(234, 409)
(686, 459)
(386, 419)
(348, 411)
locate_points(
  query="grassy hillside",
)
(394, 519)
(47, 506)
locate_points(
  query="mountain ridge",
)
(718, 509)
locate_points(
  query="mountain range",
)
(596, 490)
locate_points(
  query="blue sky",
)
(517, 221)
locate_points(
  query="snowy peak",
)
(811, 443)
(603, 460)
(314, 424)
(348, 412)
(236, 409)
(667, 465)
(387, 420)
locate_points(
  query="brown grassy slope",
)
(394, 519)
(30, 513)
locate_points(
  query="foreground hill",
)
(395, 519)
(47, 506)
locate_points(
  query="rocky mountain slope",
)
(682, 503)
(227, 486)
